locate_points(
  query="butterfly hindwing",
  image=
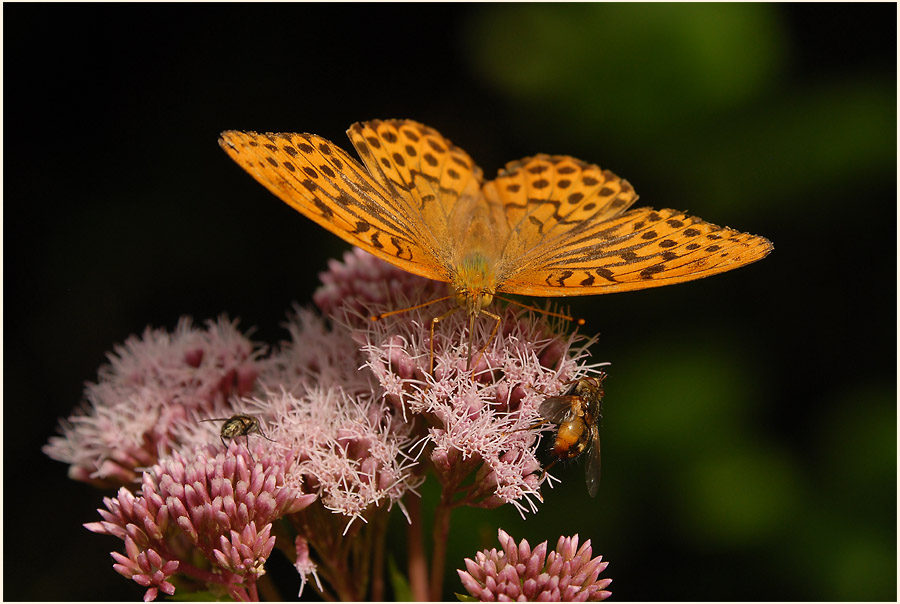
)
(552, 201)
(640, 249)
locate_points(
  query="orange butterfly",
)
(548, 225)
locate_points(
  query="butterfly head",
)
(474, 284)
(473, 300)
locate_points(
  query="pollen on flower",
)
(515, 572)
(150, 384)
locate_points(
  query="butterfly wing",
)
(439, 182)
(571, 234)
(321, 181)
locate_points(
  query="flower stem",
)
(441, 530)
(379, 527)
(418, 567)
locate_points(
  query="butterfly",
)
(547, 225)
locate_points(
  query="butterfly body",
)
(547, 225)
(474, 284)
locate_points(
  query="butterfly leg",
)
(434, 322)
(490, 339)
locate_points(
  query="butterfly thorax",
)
(474, 283)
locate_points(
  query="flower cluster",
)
(151, 384)
(327, 432)
(477, 420)
(568, 574)
(218, 505)
(363, 285)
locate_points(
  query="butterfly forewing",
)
(439, 181)
(325, 184)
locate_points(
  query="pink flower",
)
(220, 506)
(478, 421)
(147, 568)
(354, 453)
(518, 573)
(150, 384)
(304, 564)
(350, 414)
(316, 355)
(365, 285)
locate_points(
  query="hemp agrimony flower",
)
(208, 516)
(150, 384)
(337, 426)
(567, 574)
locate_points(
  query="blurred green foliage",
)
(709, 84)
(716, 482)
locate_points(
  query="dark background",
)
(749, 438)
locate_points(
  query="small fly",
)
(577, 415)
(238, 425)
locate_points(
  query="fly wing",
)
(592, 465)
(557, 409)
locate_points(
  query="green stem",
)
(441, 530)
(380, 526)
(417, 565)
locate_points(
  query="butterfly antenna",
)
(543, 311)
(407, 309)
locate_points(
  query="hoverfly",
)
(238, 425)
(577, 415)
